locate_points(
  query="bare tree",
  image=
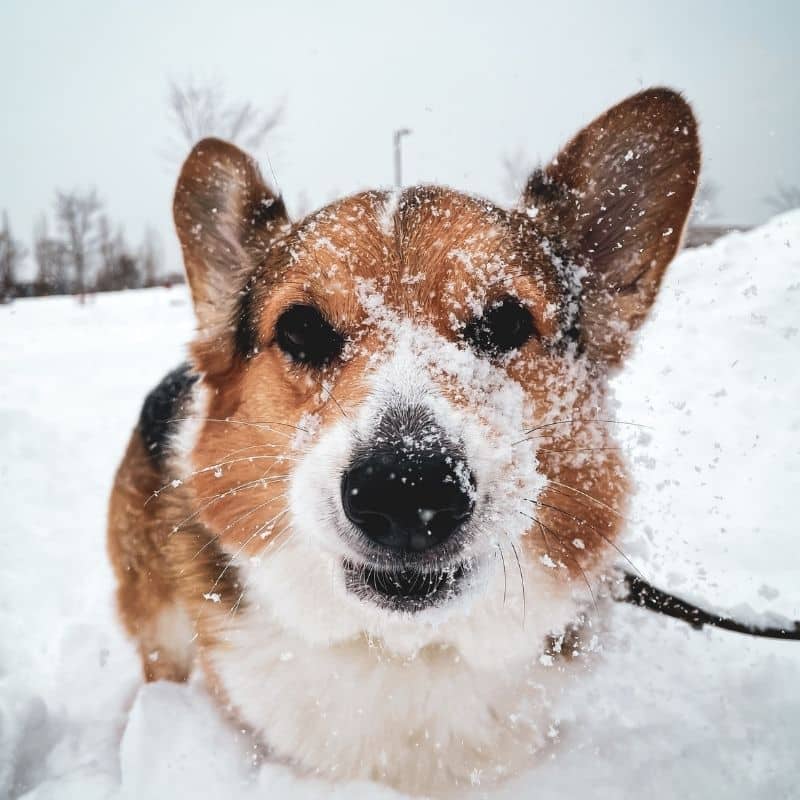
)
(52, 261)
(76, 215)
(121, 272)
(785, 198)
(199, 109)
(150, 258)
(90, 252)
(12, 253)
(110, 247)
(119, 267)
(130, 276)
(108, 242)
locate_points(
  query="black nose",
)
(408, 502)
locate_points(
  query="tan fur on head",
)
(251, 545)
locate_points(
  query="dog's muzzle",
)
(409, 493)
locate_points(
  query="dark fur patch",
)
(268, 209)
(162, 409)
(245, 337)
(542, 188)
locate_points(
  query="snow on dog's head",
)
(407, 431)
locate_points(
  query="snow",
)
(665, 712)
(411, 358)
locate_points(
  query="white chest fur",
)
(471, 704)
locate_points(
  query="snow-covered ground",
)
(667, 713)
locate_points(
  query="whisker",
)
(261, 482)
(212, 467)
(541, 528)
(578, 449)
(241, 460)
(583, 522)
(505, 574)
(222, 573)
(235, 606)
(587, 419)
(259, 446)
(253, 447)
(331, 395)
(238, 520)
(565, 551)
(246, 423)
(271, 524)
(278, 540)
(256, 533)
(521, 580)
(232, 559)
(587, 496)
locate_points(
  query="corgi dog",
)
(377, 503)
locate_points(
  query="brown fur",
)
(622, 216)
(138, 533)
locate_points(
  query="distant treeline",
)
(87, 253)
(79, 250)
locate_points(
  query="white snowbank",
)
(669, 712)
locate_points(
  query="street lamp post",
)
(398, 159)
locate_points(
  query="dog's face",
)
(405, 432)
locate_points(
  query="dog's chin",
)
(408, 589)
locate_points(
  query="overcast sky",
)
(83, 91)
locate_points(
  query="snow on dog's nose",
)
(410, 489)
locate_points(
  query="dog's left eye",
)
(504, 326)
(307, 337)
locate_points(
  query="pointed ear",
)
(226, 217)
(618, 197)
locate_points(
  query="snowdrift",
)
(667, 712)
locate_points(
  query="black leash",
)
(640, 593)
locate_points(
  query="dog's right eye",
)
(307, 337)
(504, 326)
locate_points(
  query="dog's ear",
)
(618, 197)
(226, 217)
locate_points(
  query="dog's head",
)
(405, 432)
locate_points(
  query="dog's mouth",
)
(404, 588)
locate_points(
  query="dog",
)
(378, 503)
